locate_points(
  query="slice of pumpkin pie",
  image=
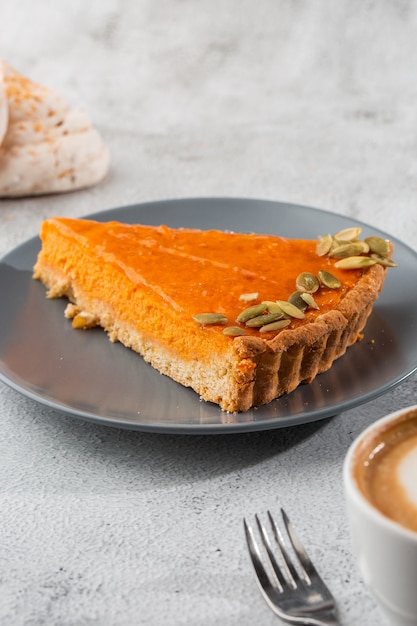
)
(240, 318)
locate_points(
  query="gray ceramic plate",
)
(84, 375)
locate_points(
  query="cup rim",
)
(351, 487)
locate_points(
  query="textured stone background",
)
(306, 102)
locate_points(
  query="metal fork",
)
(296, 599)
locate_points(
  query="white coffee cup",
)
(380, 470)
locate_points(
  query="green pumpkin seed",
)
(291, 309)
(234, 331)
(261, 320)
(308, 298)
(248, 297)
(323, 245)
(210, 318)
(355, 262)
(350, 249)
(308, 282)
(328, 280)
(278, 325)
(385, 261)
(273, 307)
(378, 245)
(363, 245)
(250, 312)
(348, 234)
(296, 299)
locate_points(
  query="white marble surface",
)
(306, 102)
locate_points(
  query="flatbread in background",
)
(46, 146)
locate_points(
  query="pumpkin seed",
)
(261, 320)
(355, 262)
(210, 318)
(273, 307)
(348, 234)
(328, 280)
(323, 245)
(308, 298)
(234, 331)
(385, 261)
(278, 325)
(350, 249)
(336, 244)
(378, 245)
(363, 245)
(248, 297)
(250, 312)
(291, 309)
(296, 299)
(306, 281)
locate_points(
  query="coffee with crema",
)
(385, 469)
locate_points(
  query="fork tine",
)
(255, 556)
(305, 561)
(289, 567)
(302, 555)
(265, 540)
